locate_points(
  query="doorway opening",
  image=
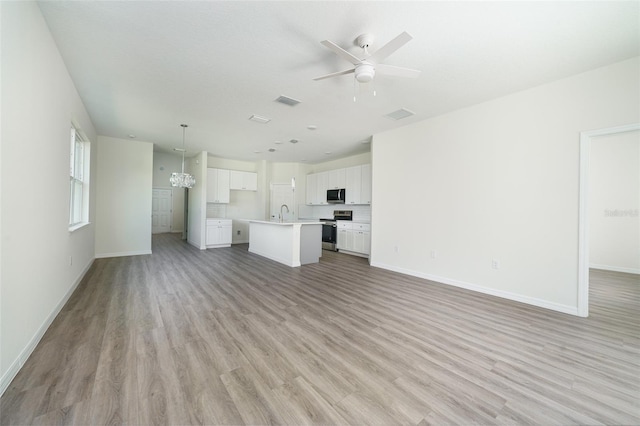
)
(586, 139)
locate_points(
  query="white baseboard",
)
(123, 253)
(615, 268)
(199, 247)
(17, 364)
(353, 253)
(571, 310)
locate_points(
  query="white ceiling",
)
(144, 67)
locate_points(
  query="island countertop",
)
(297, 222)
(290, 243)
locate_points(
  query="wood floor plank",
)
(254, 400)
(223, 336)
(305, 405)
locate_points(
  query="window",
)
(79, 180)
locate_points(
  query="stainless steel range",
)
(330, 228)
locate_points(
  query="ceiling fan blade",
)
(397, 71)
(349, 71)
(341, 52)
(386, 50)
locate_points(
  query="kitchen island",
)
(290, 243)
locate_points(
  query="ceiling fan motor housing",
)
(365, 72)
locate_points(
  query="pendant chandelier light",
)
(182, 180)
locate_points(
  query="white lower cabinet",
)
(361, 242)
(219, 233)
(354, 237)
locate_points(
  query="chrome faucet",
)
(282, 214)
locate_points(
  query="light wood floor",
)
(227, 337)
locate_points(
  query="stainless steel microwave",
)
(336, 196)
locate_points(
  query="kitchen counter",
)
(290, 243)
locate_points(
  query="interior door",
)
(161, 211)
(281, 193)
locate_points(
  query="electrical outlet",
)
(433, 254)
(495, 264)
(238, 232)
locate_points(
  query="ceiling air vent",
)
(259, 119)
(399, 114)
(287, 100)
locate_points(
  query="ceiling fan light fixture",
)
(365, 72)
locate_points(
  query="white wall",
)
(163, 166)
(614, 201)
(198, 201)
(39, 102)
(498, 180)
(124, 192)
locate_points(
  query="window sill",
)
(78, 226)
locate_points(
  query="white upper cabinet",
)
(337, 179)
(323, 185)
(243, 181)
(354, 185)
(217, 185)
(312, 189)
(317, 189)
(355, 180)
(365, 188)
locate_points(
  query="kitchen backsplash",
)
(216, 210)
(360, 213)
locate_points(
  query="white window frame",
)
(79, 163)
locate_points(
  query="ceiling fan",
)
(365, 69)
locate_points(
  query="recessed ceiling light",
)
(400, 114)
(259, 119)
(294, 141)
(132, 136)
(287, 100)
(179, 149)
(272, 150)
(257, 152)
(312, 127)
(327, 153)
(278, 142)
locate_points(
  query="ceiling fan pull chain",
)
(354, 89)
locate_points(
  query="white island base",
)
(290, 243)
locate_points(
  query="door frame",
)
(583, 222)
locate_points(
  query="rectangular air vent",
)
(259, 119)
(287, 100)
(399, 114)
